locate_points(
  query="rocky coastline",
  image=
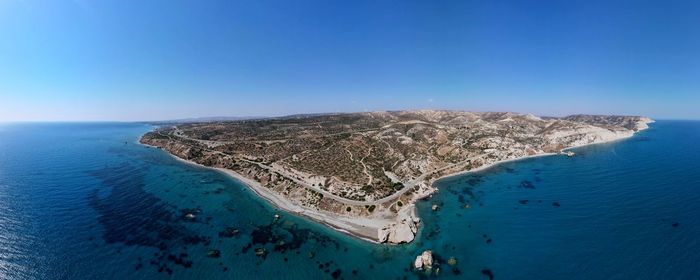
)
(391, 219)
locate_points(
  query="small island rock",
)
(424, 260)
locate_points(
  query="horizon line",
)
(235, 118)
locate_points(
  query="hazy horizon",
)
(163, 60)
(233, 117)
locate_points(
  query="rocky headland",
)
(362, 173)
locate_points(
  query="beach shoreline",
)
(363, 228)
(366, 231)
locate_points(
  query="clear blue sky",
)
(151, 60)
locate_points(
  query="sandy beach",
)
(363, 228)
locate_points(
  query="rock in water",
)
(427, 257)
(229, 232)
(424, 260)
(418, 264)
(260, 252)
(213, 253)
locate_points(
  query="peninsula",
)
(361, 173)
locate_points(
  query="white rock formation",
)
(418, 263)
(383, 234)
(424, 260)
(587, 134)
(397, 233)
(642, 124)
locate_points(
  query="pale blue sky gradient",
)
(167, 59)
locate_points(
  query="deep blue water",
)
(85, 201)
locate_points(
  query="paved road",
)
(407, 186)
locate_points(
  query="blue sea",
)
(86, 201)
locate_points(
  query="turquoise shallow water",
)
(85, 201)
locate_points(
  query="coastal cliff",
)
(363, 173)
